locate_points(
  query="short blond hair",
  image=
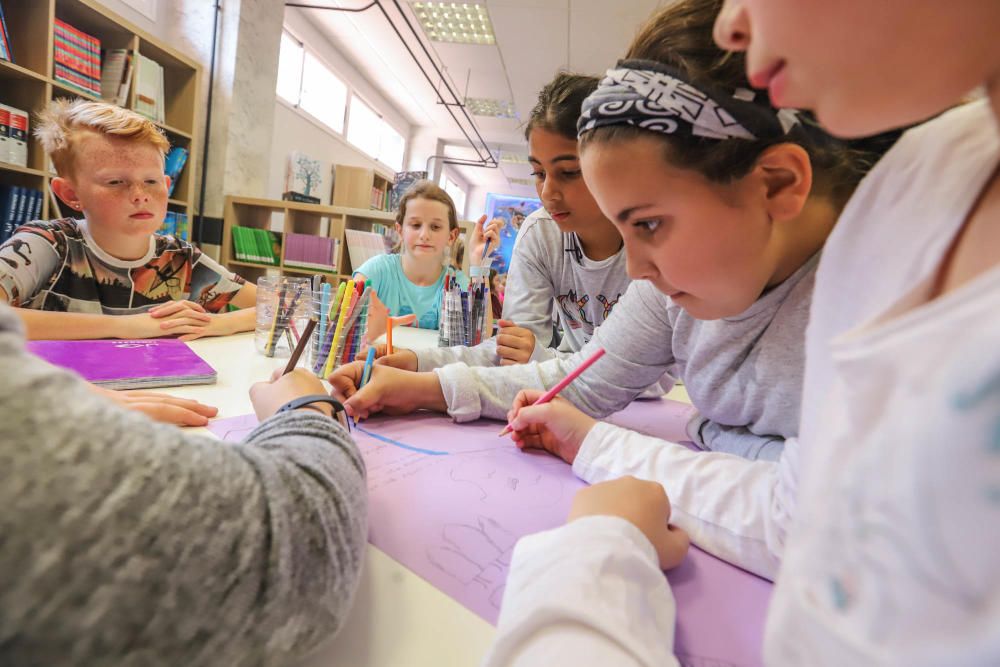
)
(63, 123)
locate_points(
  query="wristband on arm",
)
(307, 402)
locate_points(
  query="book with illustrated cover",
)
(303, 178)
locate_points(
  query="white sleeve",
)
(484, 354)
(549, 615)
(733, 508)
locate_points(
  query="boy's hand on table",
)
(642, 503)
(268, 396)
(514, 344)
(161, 407)
(345, 379)
(389, 390)
(558, 426)
(168, 319)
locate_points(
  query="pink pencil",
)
(551, 393)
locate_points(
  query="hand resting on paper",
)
(558, 426)
(389, 390)
(161, 407)
(642, 503)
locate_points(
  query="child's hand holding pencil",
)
(558, 427)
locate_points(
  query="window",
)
(323, 94)
(374, 136)
(306, 83)
(290, 69)
(456, 193)
(310, 85)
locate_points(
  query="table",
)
(398, 618)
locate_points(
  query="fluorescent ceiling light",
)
(456, 22)
(490, 108)
(513, 158)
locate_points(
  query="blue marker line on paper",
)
(397, 443)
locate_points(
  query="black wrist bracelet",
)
(303, 401)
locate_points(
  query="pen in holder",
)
(282, 314)
(341, 334)
(464, 312)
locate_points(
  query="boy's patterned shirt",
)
(57, 266)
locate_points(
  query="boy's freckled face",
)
(120, 185)
(706, 246)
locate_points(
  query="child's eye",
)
(115, 182)
(151, 181)
(648, 225)
(539, 175)
(571, 174)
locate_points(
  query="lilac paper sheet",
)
(450, 501)
(154, 362)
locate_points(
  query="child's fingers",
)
(181, 322)
(671, 546)
(167, 309)
(170, 414)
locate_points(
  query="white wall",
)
(296, 131)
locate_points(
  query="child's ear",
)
(786, 172)
(454, 234)
(65, 190)
(167, 181)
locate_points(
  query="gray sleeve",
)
(126, 542)
(736, 440)
(27, 261)
(637, 341)
(530, 292)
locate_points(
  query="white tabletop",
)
(398, 618)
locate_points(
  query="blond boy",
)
(109, 275)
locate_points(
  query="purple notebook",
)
(128, 364)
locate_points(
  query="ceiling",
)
(534, 40)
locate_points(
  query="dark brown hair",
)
(559, 102)
(432, 191)
(680, 35)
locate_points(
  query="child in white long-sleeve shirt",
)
(891, 559)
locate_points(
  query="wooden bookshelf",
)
(282, 217)
(28, 83)
(355, 187)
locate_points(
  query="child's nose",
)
(138, 192)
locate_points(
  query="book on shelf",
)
(306, 251)
(259, 246)
(6, 53)
(362, 246)
(116, 76)
(403, 181)
(380, 197)
(176, 224)
(13, 135)
(302, 178)
(77, 57)
(173, 165)
(149, 89)
(18, 205)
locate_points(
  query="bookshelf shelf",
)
(11, 72)
(288, 217)
(6, 166)
(256, 265)
(29, 83)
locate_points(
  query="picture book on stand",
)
(128, 364)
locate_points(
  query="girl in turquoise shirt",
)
(412, 280)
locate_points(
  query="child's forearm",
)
(52, 325)
(236, 321)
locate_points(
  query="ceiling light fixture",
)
(490, 108)
(455, 22)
